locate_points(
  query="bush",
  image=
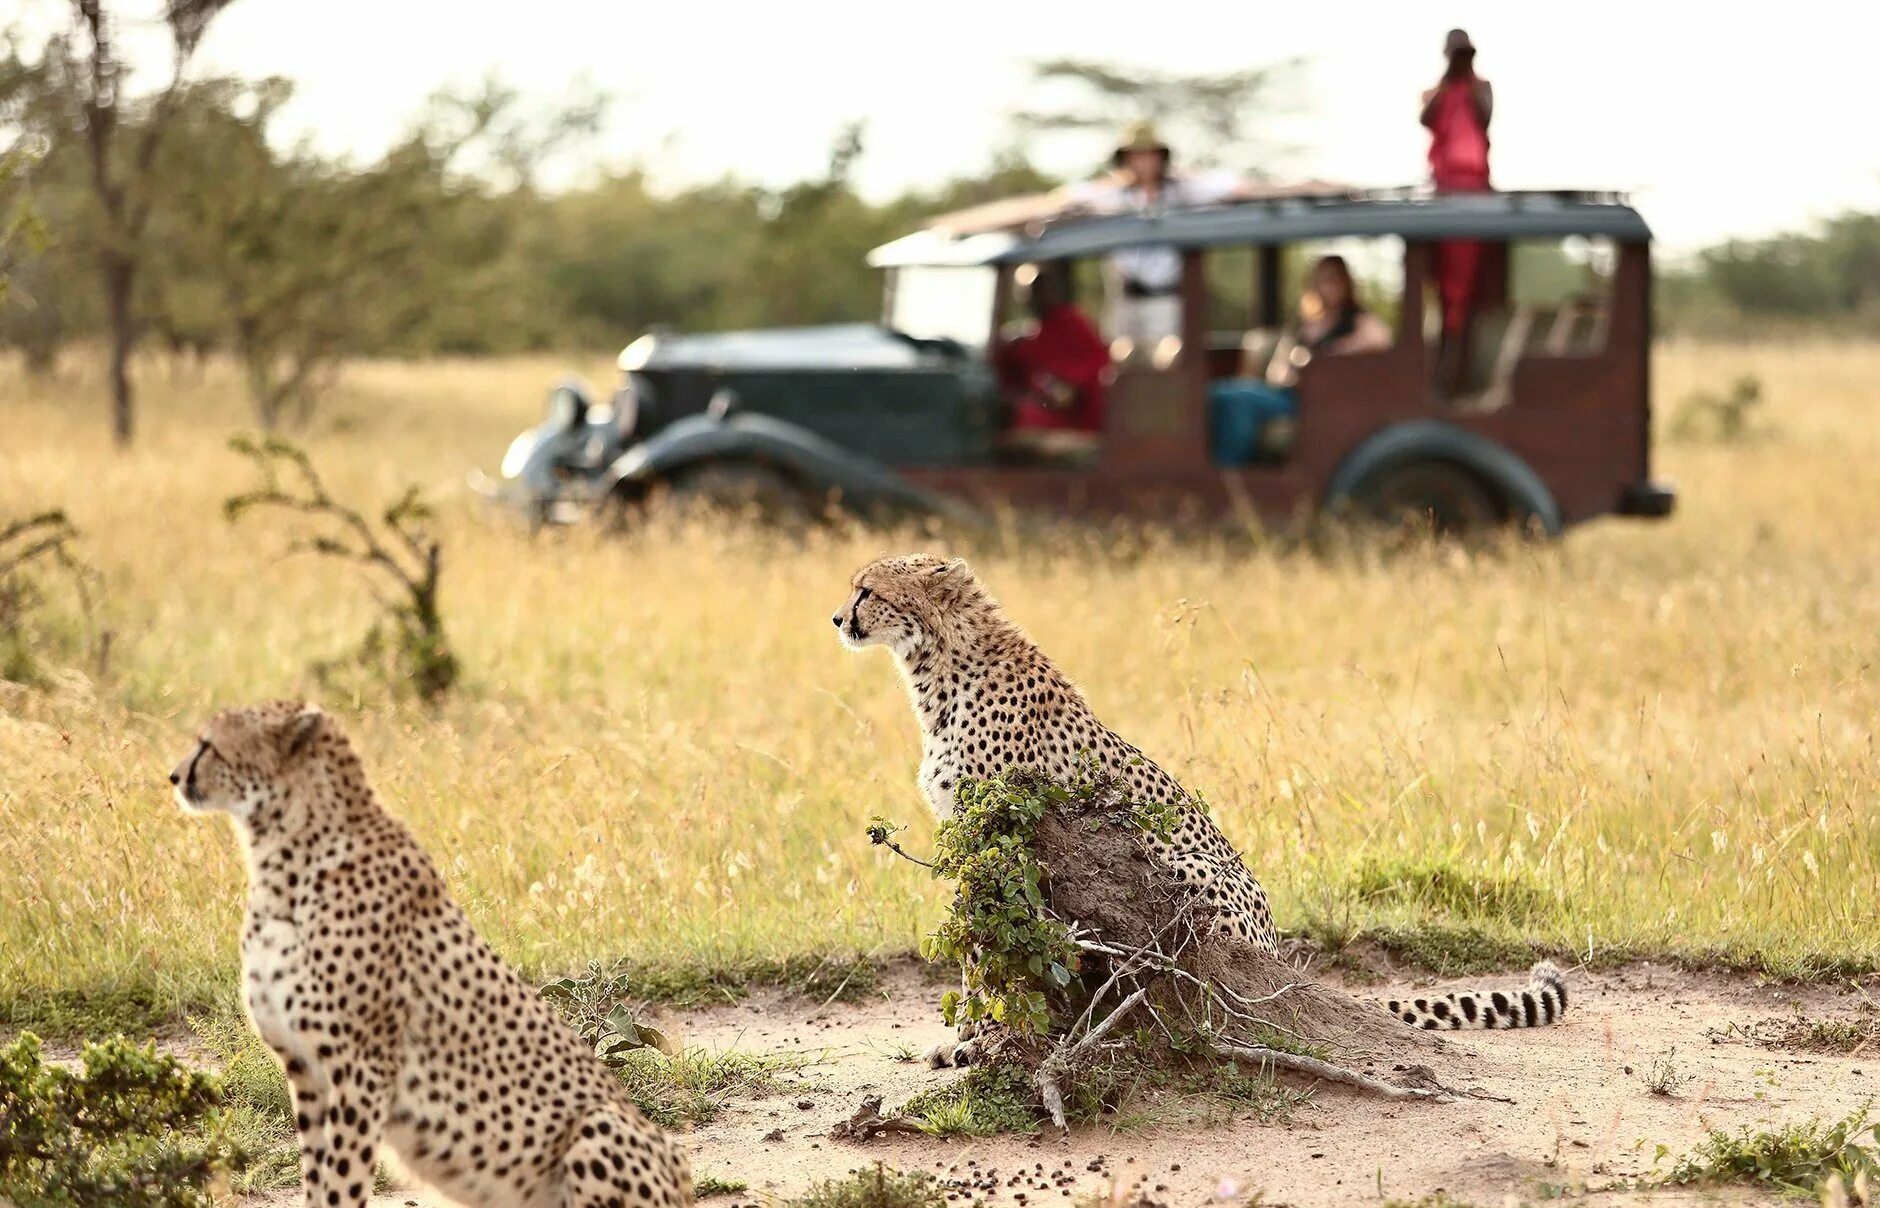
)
(133, 1130)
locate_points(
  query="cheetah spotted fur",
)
(988, 698)
(397, 1025)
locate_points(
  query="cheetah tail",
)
(1542, 1001)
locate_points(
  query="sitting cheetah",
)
(396, 1022)
(988, 699)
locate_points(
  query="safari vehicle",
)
(1547, 422)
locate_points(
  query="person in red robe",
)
(1456, 113)
(1055, 373)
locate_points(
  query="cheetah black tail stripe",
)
(1542, 1001)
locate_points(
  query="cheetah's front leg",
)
(346, 1149)
(310, 1091)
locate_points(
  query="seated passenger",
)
(1332, 322)
(1054, 374)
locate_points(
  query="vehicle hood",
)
(846, 346)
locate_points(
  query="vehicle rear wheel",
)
(1430, 495)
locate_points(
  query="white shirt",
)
(1155, 267)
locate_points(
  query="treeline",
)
(176, 216)
(293, 262)
(1828, 278)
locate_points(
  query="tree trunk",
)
(119, 276)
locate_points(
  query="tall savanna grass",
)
(1666, 730)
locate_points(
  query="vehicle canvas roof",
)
(1407, 215)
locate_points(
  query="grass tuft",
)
(983, 1102)
(878, 1186)
(691, 1088)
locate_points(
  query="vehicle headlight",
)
(517, 455)
(637, 354)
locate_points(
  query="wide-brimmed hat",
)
(1139, 136)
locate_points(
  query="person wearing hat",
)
(1145, 282)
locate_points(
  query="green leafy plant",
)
(595, 1005)
(133, 1130)
(708, 1185)
(1798, 1158)
(1008, 946)
(409, 646)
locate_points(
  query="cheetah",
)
(397, 1024)
(988, 698)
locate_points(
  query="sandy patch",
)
(1583, 1115)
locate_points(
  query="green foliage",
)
(408, 648)
(708, 1185)
(21, 231)
(879, 1186)
(1723, 418)
(1799, 1158)
(1011, 952)
(595, 1005)
(985, 1101)
(134, 1130)
(1009, 949)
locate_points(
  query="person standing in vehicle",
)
(1457, 112)
(1145, 282)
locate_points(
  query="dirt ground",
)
(1583, 1120)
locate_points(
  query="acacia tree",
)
(82, 96)
(1215, 120)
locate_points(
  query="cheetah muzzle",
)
(397, 1024)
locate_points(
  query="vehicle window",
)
(943, 303)
(1562, 290)
(1366, 320)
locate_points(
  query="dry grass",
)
(661, 752)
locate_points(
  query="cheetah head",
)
(242, 755)
(904, 603)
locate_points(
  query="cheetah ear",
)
(951, 580)
(298, 733)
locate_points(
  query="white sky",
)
(1722, 118)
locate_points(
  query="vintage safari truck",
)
(1542, 418)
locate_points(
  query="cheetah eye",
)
(862, 593)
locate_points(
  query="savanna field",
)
(1648, 739)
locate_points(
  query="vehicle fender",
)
(812, 460)
(1526, 496)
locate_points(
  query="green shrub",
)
(132, 1130)
(1011, 952)
(1800, 1157)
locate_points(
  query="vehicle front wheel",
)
(746, 488)
(1435, 496)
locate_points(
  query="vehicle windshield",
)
(943, 303)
